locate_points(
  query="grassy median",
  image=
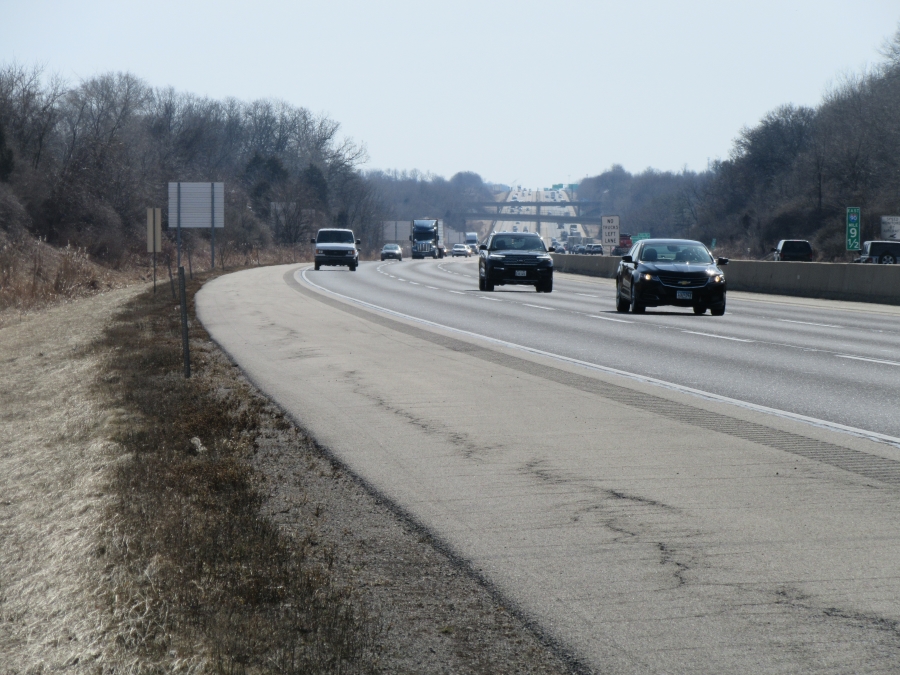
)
(200, 580)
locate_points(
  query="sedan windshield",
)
(514, 243)
(390, 247)
(676, 253)
(335, 237)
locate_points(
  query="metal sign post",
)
(154, 237)
(179, 227)
(853, 223)
(212, 226)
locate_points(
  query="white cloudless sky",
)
(532, 92)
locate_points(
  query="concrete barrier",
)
(830, 281)
(591, 265)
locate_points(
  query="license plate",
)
(521, 273)
(684, 295)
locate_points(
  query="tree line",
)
(790, 176)
(80, 164)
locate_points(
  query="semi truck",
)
(427, 239)
(472, 239)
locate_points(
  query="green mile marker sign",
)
(853, 228)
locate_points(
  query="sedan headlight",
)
(647, 277)
(497, 256)
(718, 279)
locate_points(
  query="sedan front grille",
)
(684, 281)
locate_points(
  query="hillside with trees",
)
(790, 176)
(80, 164)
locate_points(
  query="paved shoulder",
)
(649, 530)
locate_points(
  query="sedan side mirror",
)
(551, 249)
(774, 250)
(721, 261)
(482, 247)
(627, 259)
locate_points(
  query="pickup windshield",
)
(334, 237)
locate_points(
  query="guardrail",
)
(831, 281)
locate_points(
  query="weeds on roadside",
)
(200, 581)
(33, 274)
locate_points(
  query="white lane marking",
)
(399, 279)
(414, 283)
(608, 318)
(637, 377)
(809, 323)
(484, 297)
(585, 295)
(862, 358)
(434, 288)
(721, 337)
(457, 292)
(535, 306)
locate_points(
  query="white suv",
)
(337, 248)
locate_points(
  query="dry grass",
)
(53, 490)
(34, 275)
(201, 581)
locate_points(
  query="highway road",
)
(809, 358)
(567, 454)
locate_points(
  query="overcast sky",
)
(532, 92)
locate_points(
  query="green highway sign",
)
(853, 224)
(639, 236)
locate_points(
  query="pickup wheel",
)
(352, 268)
(317, 267)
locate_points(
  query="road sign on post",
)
(890, 227)
(609, 232)
(853, 228)
(197, 205)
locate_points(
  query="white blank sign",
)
(201, 204)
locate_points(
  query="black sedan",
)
(392, 251)
(678, 272)
(515, 258)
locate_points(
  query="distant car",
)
(515, 258)
(473, 248)
(594, 249)
(882, 252)
(676, 272)
(793, 249)
(580, 249)
(391, 251)
(459, 249)
(619, 250)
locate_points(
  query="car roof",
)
(671, 242)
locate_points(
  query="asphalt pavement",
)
(570, 454)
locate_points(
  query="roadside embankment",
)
(829, 281)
